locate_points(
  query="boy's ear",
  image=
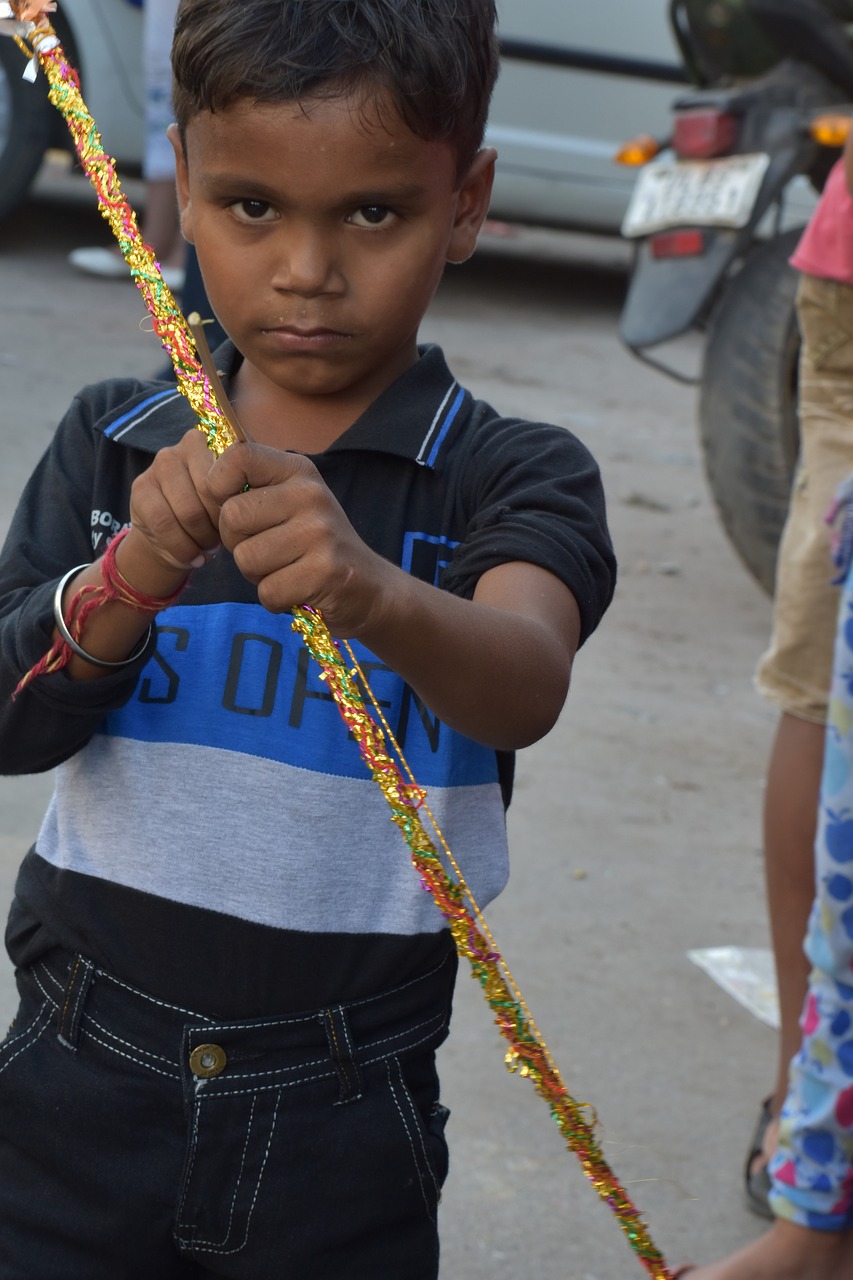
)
(472, 205)
(182, 181)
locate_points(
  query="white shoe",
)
(109, 264)
(99, 262)
(173, 277)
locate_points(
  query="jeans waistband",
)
(94, 1008)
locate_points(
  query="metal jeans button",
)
(207, 1060)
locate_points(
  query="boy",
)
(232, 982)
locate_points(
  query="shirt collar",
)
(414, 418)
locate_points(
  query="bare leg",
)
(790, 822)
(161, 225)
(786, 1252)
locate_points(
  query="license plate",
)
(695, 193)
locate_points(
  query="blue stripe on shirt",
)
(448, 422)
(136, 410)
(237, 677)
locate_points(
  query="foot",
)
(786, 1252)
(762, 1148)
(769, 1142)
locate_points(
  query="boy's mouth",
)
(295, 338)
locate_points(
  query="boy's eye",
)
(253, 210)
(370, 215)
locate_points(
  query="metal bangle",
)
(62, 628)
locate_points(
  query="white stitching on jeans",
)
(109, 977)
(264, 1088)
(277, 1071)
(435, 1021)
(81, 988)
(318, 1062)
(410, 1045)
(220, 1092)
(29, 1037)
(128, 1045)
(170, 1075)
(404, 1088)
(345, 1025)
(237, 1248)
(208, 1245)
(46, 994)
(277, 1083)
(266, 1023)
(286, 1022)
(354, 1004)
(44, 969)
(389, 1064)
(162, 1004)
(183, 1226)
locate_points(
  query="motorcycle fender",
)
(667, 296)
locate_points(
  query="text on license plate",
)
(713, 193)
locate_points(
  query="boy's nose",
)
(306, 264)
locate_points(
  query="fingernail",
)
(198, 562)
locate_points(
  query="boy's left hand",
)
(495, 668)
(290, 537)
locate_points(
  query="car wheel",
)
(25, 124)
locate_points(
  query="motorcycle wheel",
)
(25, 126)
(748, 404)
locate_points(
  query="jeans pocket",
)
(436, 1125)
(423, 1119)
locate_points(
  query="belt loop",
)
(343, 1054)
(79, 980)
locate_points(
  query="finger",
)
(182, 472)
(199, 460)
(166, 508)
(275, 546)
(181, 492)
(253, 466)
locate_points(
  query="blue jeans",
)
(138, 1139)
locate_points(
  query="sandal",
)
(757, 1182)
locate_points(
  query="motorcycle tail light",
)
(700, 134)
(831, 128)
(677, 244)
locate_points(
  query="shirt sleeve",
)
(52, 716)
(533, 493)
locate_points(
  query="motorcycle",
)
(708, 218)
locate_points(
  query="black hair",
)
(437, 58)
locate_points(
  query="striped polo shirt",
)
(214, 836)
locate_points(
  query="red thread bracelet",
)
(114, 587)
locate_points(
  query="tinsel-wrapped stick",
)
(527, 1052)
(36, 36)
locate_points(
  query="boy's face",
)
(322, 230)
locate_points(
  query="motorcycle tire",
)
(748, 419)
(26, 118)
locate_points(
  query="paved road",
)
(635, 828)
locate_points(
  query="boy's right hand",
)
(172, 531)
(176, 526)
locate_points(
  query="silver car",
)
(576, 80)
